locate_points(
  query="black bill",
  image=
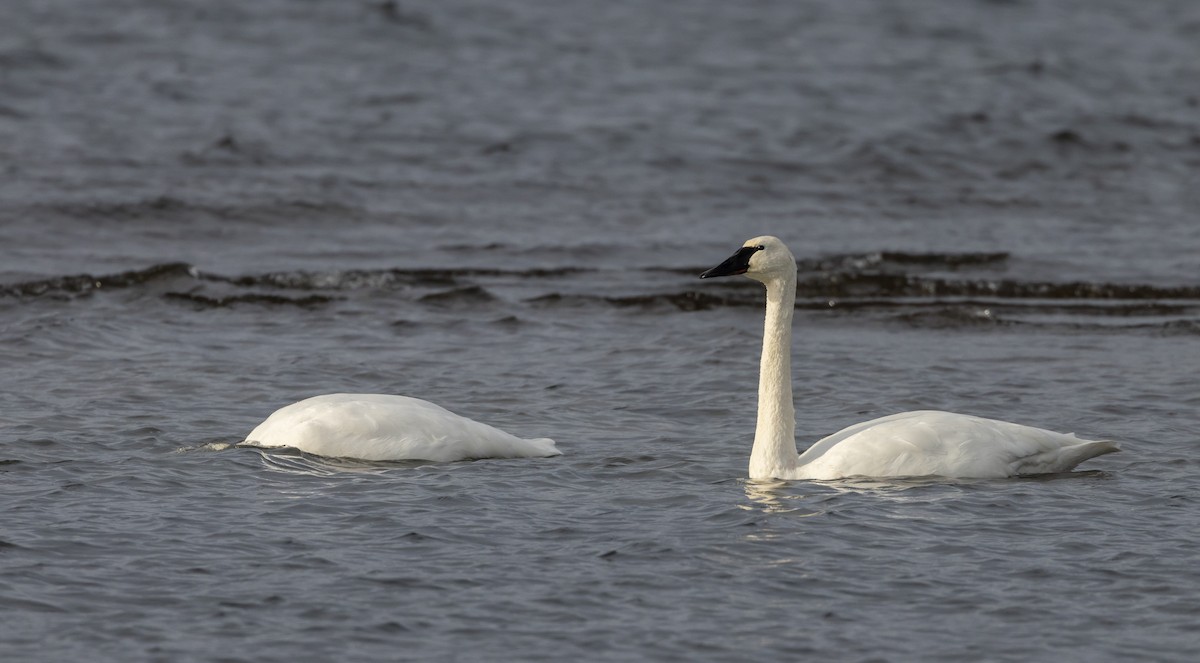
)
(737, 263)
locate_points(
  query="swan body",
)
(931, 443)
(921, 443)
(384, 427)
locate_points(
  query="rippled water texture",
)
(210, 210)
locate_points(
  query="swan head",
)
(763, 259)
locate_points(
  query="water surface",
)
(210, 212)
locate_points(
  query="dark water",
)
(209, 210)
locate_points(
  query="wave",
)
(880, 274)
(204, 301)
(171, 209)
(917, 289)
(75, 284)
(386, 278)
(84, 283)
(470, 295)
(687, 300)
(908, 285)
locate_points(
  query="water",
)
(211, 211)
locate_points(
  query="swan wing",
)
(387, 427)
(931, 443)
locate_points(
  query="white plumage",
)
(385, 427)
(932, 443)
(922, 443)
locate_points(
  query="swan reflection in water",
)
(776, 496)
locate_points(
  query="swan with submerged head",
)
(922, 443)
(385, 427)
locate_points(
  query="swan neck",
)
(774, 453)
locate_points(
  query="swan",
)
(921, 443)
(386, 427)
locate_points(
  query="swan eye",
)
(760, 247)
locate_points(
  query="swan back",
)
(932, 443)
(387, 427)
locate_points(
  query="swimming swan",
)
(923, 443)
(383, 427)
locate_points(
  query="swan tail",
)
(1066, 458)
(546, 445)
(1099, 448)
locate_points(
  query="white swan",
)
(924, 443)
(383, 427)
